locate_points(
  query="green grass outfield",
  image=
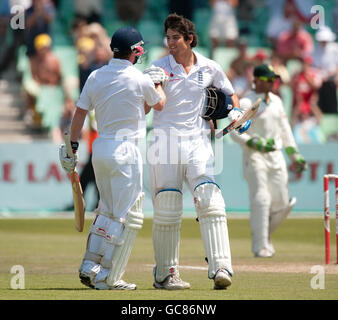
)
(50, 251)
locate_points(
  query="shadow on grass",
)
(75, 289)
(42, 289)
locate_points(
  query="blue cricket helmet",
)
(217, 104)
(126, 39)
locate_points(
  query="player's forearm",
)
(235, 101)
(160, 105)
(77, 124)
(146, 108)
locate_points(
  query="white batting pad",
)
(99, 241)
(166, 232)
(133, 224)
(210, 208)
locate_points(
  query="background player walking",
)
(264, 166)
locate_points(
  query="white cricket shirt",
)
(185, 94)
(117, 92)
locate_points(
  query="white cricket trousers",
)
(268, 189)
(118, 173)
(187, 160)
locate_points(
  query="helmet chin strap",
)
(135, 60)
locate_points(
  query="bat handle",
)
(222, 133)
(68, 145)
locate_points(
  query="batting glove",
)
(158, 75)
(298, 162)
(234, 115)
(262, 145)
(68, 163)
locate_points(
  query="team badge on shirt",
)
(200, 79)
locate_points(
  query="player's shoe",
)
(118, 285)
(222, 279)
(264, 253)
(271, 248)
(85, 279)
(172, 282)
(88, 272)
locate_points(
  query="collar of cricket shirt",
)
(174, 64)
(115, 61)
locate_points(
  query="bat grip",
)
(68, 145)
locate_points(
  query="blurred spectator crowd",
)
(299, 43)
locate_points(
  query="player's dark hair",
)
(122, 55)
(182, 25)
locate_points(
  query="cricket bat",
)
(79, 203)
(248, 114)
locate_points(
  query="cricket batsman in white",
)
(117, 92)
(182, 134)
(264, 166)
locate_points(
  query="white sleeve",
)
(84, 101)
(287, 137)
(240, 138)
(221, 81)
(151, 96)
